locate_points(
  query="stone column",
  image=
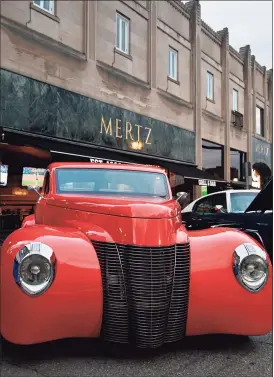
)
(253, 80)
(152, 43)
(270, 99)
(245, 53)
(266, 117)
(92, 22)
(224, 36)
(194, 8)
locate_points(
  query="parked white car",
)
(228, 201)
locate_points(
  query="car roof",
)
(230, 191)
(86, 165)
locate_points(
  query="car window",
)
(207, 205)
(113, 182)
(241, 200)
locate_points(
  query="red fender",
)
(217, 301)
(28, 221)
(71, 307)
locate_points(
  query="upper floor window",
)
(259, 121)
(210, 86)
(172, 64)
(47, 5)
(235, 100)
(122, 33)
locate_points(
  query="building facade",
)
(134, 81)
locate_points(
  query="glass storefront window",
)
(237, 160)
(213, 159)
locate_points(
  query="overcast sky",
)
(249, 23)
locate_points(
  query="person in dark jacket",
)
(263, 171)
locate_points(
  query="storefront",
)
(42, 123)
(237, 169)
(213, 164)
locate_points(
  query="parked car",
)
(106, 255)
(254, 217)
(228, 201)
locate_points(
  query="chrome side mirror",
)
(36, 189)
(219, 208)
(180, 197)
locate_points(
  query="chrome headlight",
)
(250, 267)
(34, 268)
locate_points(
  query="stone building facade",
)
(218, 95)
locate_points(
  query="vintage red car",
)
(106, 255)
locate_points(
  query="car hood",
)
(151, 208)
(264, 200)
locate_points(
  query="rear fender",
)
(71, 307)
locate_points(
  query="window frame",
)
(235, 91)
(52, 6)
(261, 125)
(173, 51)
(209, 74)
(118, 33)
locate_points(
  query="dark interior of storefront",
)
(20, 152)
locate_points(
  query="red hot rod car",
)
(106, 255)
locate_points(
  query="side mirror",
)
(36, 189)
(218, 208)
(180, 197)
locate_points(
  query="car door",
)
(204, 213)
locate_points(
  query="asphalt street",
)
(205, 356)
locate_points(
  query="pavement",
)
(203, 356)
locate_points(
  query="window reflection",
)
(237, 160)
(213, 157)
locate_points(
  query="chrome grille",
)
(145, 293)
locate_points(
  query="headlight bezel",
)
(241, 254)
(34, 249)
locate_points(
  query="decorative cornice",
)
(259, 67)
(179, 6)
(245, 53)
(269, 74)
(210, 115)
(174, 98)
(236, 55)
(168, 30)
(121, 74)
(42, 39)
(206, 29)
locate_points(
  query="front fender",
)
(28, 221)
(71, 307)
(217, 302)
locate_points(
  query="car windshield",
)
(111, 182)
(241, 200)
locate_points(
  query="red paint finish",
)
(73, 305)
(217, 302)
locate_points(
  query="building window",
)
(235, 100)
(213, 159)
(237, 161)
(210, 86)
(47, 5)
(259, 121)
(172, 64)
(122, 33)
